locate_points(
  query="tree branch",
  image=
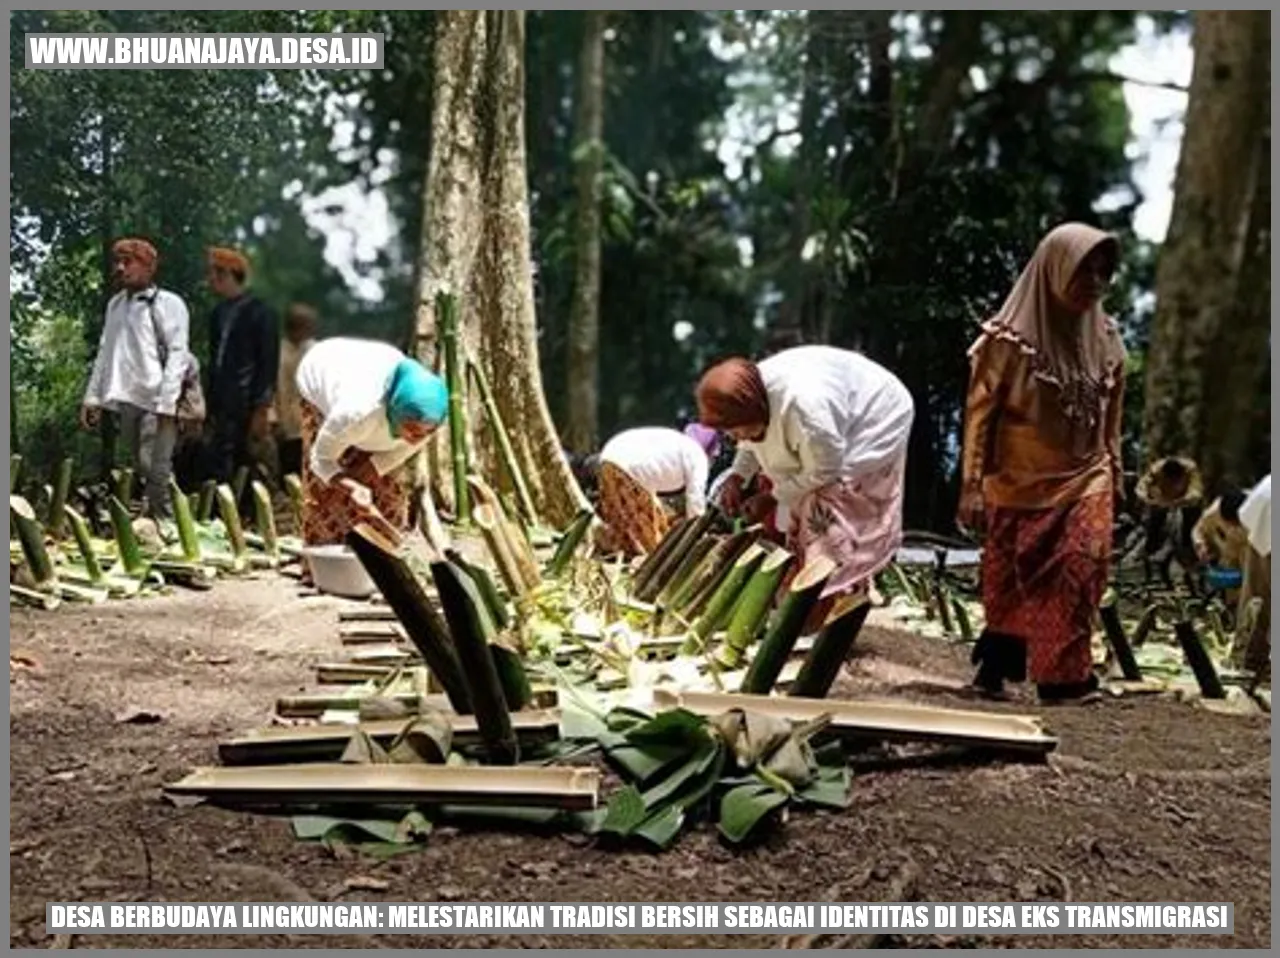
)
(1105, 76)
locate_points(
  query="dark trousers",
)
(290, 457)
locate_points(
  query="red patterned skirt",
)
(328, 514)
(1043, 575)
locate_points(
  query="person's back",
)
(347, 372)
(662, 460)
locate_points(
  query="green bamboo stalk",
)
(15, 471)
(239, 481)
(709, 576)
(830, 649)
(293, 486)
(264, 518)
(204, 506)
(447, 317)
(187, 538)
(722, 603)
(503, 440)
(84, 541)
(784, 628)
(1113, 628)
(230, 514)
(496, 608)
(131, 560)
(753, 606)
(688, 567)
(662, 574)
(31, 536)
(569, 542)
(61, 487)
(124, 484)
(963, 622)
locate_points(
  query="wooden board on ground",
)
(575, 789)
(359, 633)
(277, 744)
(367, 613)
(888, 721)
(316, 704)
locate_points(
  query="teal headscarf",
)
(415, 394)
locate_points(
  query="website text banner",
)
(205, 51)
(1137, 918)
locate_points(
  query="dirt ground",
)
(1145, 800)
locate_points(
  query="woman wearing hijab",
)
(366, 409)
(829, 430)
(1041, 465)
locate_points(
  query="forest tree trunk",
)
(475, 244)
(1209, 335)
(582, 421)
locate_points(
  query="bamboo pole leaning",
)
(58, 498)
(783, 629)
(835, 639)
(722, 602)
(753, 607)
(503, 441)
(447, 318)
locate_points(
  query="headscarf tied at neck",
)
(1079, 355)
(414, 394)
(732, 394)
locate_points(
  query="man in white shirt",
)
(139, 369)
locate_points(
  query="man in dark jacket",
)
(244, 356)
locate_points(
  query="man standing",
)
(138, 371)
(300, 323)
(244, 349)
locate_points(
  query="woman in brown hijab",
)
(1041, 465)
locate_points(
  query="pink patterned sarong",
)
(856, 523)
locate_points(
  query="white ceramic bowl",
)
(336, 571)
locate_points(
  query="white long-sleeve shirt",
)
(127, 368)
(662, 461)
(1255, 516)
(833, 415)
(347, 379)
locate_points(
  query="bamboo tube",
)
(823, 663)
(124, 485)
(569, 542)
(753, 606)
(15, 471)
(88, 554)
(496, 608)
(408, 599)
(942, 600)
(962, 619)
(664, 547)
(484, 684)
(187, 538)
(429, 520)
(229, 511)
(264, 518)
(516, 541)
(498, 548)
(293, 487)
(61, 486)
(1199, 661)
(204, 505)
(673, 560)
(1114, 630)
(503, 441)
(784, 628)
(239, 481)
(131, 560)
(722, 603)
(1144, 626)
(709, 576)
(688, 567)
(447, 318)
(48, 601)
(31, 536)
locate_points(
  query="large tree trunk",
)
(475, 244)
(582, 422)
(1209, 336)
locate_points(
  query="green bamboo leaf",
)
(643, 764)
(671, 785)
(625, 812)
(743, 809)
(674, 726)
(662, 828)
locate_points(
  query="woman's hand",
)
(731, 496)
(970, 514)
(755, 509)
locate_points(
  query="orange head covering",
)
(138, 249)
(1081, 356)
(731, 394)
(229, 259)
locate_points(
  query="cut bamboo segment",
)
(721, 604)
(365, 633)
(384, 655)
(204, 506)
(293, 487)
(494, 606)
(239, 482)
(48, 601)
(1113, 628)
(462, 608)
(354, 673)
(58, 499)
(650, 562)
(674, 559)
(31, 538)
(503, 441)
(229, 512)
(1144, 626)
(711, 574)
(574, 789)
(1198, 659)
(406, 596)
(447, 322)
(131, 561)
(569, 542)
(827, 657)
(688, 567)
(15, 470)
(188, 540)
(84, 542)
(264, 519)
(885, 721)
(753, 606)
(277, 744)
(495, 537)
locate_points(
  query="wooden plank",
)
(281, 744)
(316, 704)
(889, 721)
(369, 613)
(576, 789)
